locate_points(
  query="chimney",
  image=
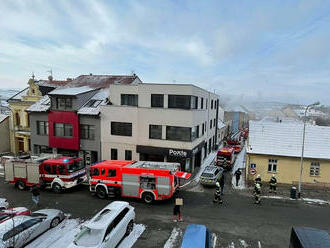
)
(90, 74)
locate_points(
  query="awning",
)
(182, 174)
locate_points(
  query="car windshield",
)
(205, 174)
(224, 157)
(75, 166)
(88, 237)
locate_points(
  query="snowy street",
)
(239, 163)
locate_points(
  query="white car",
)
(107, 228)
(3, 203)
(19, 230)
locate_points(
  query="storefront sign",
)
(177, 153)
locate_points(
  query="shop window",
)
(157, 101)
(129, 99)
(114, 154)
(314, 169)
(272, 165)
(178, 133)
(147, 182)
(155, 132)
(128, 155)
(121, 128)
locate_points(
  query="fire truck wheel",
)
(56, 188)
(101, 192)
(148, 197)
(20, 185)
(129, 228)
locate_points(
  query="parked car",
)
(107, 228)
(306, 237)
(3, 203)
(197, 236)
(211, 175)
(20, 230)
(11, 212)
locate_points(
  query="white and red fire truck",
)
(143, 179)
(51, 171)
(226, 157)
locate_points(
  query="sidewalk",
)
(239, 163)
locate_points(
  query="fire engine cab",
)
(226, 157)
(51, 171)
(143, 179)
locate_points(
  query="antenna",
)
(51, 72)
(33, 75)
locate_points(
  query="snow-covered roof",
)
(40, 106)
(285, 139)
(235, 109)
(221, 124)
(92, 107)
(71, 91)
(19, 95)
(3, 117)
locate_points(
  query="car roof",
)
(194, 236)
(107, 214)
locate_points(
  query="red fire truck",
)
(51, 171)
(226, 157)
(236, 144)
(143, 179)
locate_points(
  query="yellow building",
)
(19, 119)
(275, 148)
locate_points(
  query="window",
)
(178, 133)
(155, 132)
(157, 101)
(194, 102)
(203, 126)
(13, 232)
(179, 101)
(272, 165)
(18, 120)
(64, 103)
(61, 169)
(147, 182)
(114, 154)
(211, 104)
(214, 122)
(129, 99)
(42, 127)
(29, 223)
(48, 168)
(102, 171)
(95, 172)
(63, 130)
(202, 103)
(87, 132)
(314, 169)
(53, 171)
(194, 133)
(111, 173)
(128, 155)
(93, 103)
(121, 128)
(210, 124)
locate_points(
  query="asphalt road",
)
(236, 220)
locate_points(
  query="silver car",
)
(107, 228)
(19, 230)
(211, 175)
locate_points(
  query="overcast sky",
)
(263, 50)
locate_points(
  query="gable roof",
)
(285, 139)
(40, 106)
(3, 117)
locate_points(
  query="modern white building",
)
(160, 122)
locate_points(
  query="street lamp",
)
(303, 145)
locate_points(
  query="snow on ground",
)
(307, 200)
(239, 163)
(63, 235)
(176, 233)
(318, 201)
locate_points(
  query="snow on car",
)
(3, 203)
(11, 212)
(107, 228)
(19, 230)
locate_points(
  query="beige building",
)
(4, 133)
(275, 148)
(160, 122)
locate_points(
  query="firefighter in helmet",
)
(257, 193)
(217, 194)
(258, 180)
(272, 184)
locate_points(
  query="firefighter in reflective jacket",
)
(258, 180)
(272, 184)
(217, 194)
(257, 193)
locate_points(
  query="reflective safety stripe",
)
(104, 181)
(77, 173)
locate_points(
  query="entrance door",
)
(198, 159)
(20, 142)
